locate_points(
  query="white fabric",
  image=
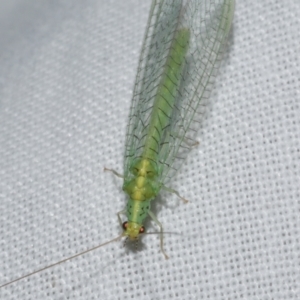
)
(67, 70)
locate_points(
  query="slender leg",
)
(153, 217)
(188, 141)
(175, 192)
(119, 216)
(114, 172)
(193, 144)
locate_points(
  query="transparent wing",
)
(209, 22)
(161, 28)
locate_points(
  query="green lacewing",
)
(178, 63)
(180, 57)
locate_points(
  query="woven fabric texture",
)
(67, 71)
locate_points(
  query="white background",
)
(67, 70)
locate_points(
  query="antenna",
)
(61, 261)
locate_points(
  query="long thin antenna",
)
(61, 261)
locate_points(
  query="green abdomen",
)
(142, 185)
(166, 95)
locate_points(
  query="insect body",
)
(142, 182)
(179, 59)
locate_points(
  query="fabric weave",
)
(67, 70)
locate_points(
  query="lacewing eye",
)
(125, 225)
